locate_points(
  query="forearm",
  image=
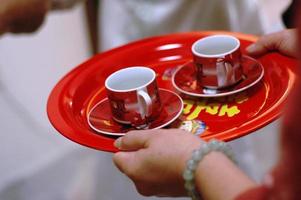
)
(22, 15)
(219, 178)
(26, 16)
(64, 4)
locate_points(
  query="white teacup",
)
(218, 61)
(133, 95)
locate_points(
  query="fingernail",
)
(251, 48)
(117, 143)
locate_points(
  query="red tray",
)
(224, 118)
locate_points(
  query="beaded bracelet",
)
(197, 156)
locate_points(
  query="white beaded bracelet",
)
(197, 156)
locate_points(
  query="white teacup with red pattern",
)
(133, 95)
(218, 61)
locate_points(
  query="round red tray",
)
(224, 118)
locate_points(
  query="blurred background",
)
(37, 163)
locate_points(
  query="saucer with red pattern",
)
(100, 117)
(185, 80)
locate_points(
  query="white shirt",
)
(122, 21)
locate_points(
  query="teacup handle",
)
(224, 72)
(145, 104)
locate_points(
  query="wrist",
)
(203, 160)
(187, 155)
(209, 162)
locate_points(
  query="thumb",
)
(132, 141)
(265, 44)
(283, 41)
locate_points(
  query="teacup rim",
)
(195, 53)
(135, 88)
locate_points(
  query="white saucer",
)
(100, 117)
(184, 80)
